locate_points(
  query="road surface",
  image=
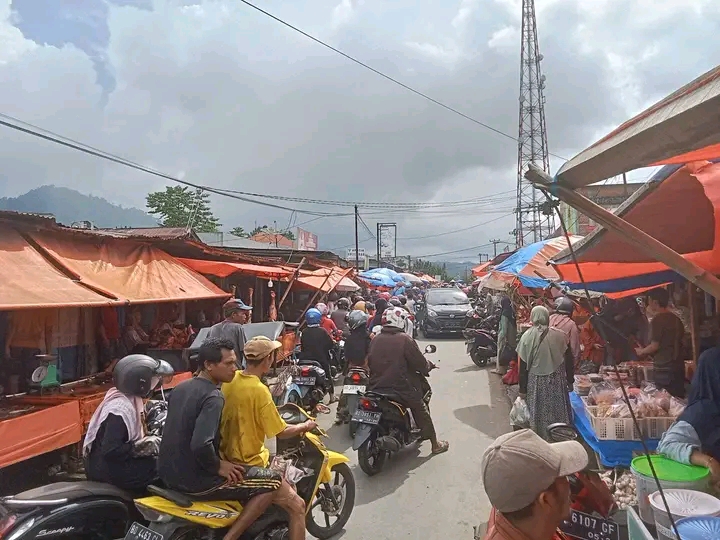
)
(442, 497)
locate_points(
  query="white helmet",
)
(395, 317)
(322, 308)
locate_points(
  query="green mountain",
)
(68, 206)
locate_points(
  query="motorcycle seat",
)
(310, 363)
(181, 499)
(60, 492)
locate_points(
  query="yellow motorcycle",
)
(328, 485)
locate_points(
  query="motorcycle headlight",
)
(431, 313)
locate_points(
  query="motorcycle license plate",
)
(138, 532)
(366, 417)
(304, 381)
(353, 388)
(586, 527)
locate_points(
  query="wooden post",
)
(631, 234)
(312, 300)
(692, 306)
(290, 284)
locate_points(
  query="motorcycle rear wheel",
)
(370, 458)
(479, 361)
(343, 477)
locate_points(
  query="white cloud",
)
(235, 100)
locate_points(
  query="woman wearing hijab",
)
(544, 373)
(695, 437)
(507, 336)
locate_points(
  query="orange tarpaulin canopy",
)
(223, 269)
(681, 210)
(481, 269)
(30, 281)
(318, 279)
(129, 271)
(39, 432)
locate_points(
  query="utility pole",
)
(495, 244)
(625, 184)
(377, 238)
(357, 244)
(409, 263)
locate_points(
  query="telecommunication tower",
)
(534, 219)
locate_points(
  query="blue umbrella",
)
(377, 279)
(392, 274)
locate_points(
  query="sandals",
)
(444, 447)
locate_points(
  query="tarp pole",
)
(312, 300)
(631, 234)
(295, 275)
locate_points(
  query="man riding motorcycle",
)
(316, 344)
(398, 368)
(339, 316)
(356, 350)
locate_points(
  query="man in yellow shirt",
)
(250, 416)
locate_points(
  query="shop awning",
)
(680, 207)
(129, 271)
(681, 128)
(318, 279)
(223, 269)
(482, 269)
(28, 280)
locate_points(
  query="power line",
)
(456, 231)
(454, 251)
(388, 77)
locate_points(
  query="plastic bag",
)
(520, 414)
(602, 394)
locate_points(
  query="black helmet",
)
(139, 374)
(403, 300)
(343, 303)
(395, 302)
(564, 305)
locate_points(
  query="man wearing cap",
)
(525, 479)
(236, 314)
(250, 416)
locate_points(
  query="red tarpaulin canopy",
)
(223, 269)
(682, 211)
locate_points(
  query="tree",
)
(239, 231)
(430, 268)
(287, 234)
(180, 206)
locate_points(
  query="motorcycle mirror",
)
(562, 432)
(430, 349)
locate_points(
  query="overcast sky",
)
(221, 95)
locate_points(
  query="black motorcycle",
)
(77, 510)
(355, 382)
(481, 345)
(312, 382)
(384, 426)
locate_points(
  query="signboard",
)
(350, 254)
(388, 232)
(306, 241)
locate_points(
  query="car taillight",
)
(6, 523)
(356, 377)
(305, 371)
(366, 404)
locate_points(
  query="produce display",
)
(646, 402)
(622, 486)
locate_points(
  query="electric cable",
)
(388, 77)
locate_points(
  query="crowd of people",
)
(213, 443)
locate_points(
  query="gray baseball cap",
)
(519, 466)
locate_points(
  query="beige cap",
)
(260, 347)
(519, 466)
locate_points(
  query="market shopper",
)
(507, 336)
(525, 479)
(562, 320)
(666, 337)
(545, 372)
(236, 314)
(695, 437)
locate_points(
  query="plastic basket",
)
(614, 429)
(591, 410)
(655, 427)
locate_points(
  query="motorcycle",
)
(328, 483)
(384, 426)
(310, 380)
(77, 510)
(355, 382)
(481, 345)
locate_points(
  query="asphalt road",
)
(441, 497)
